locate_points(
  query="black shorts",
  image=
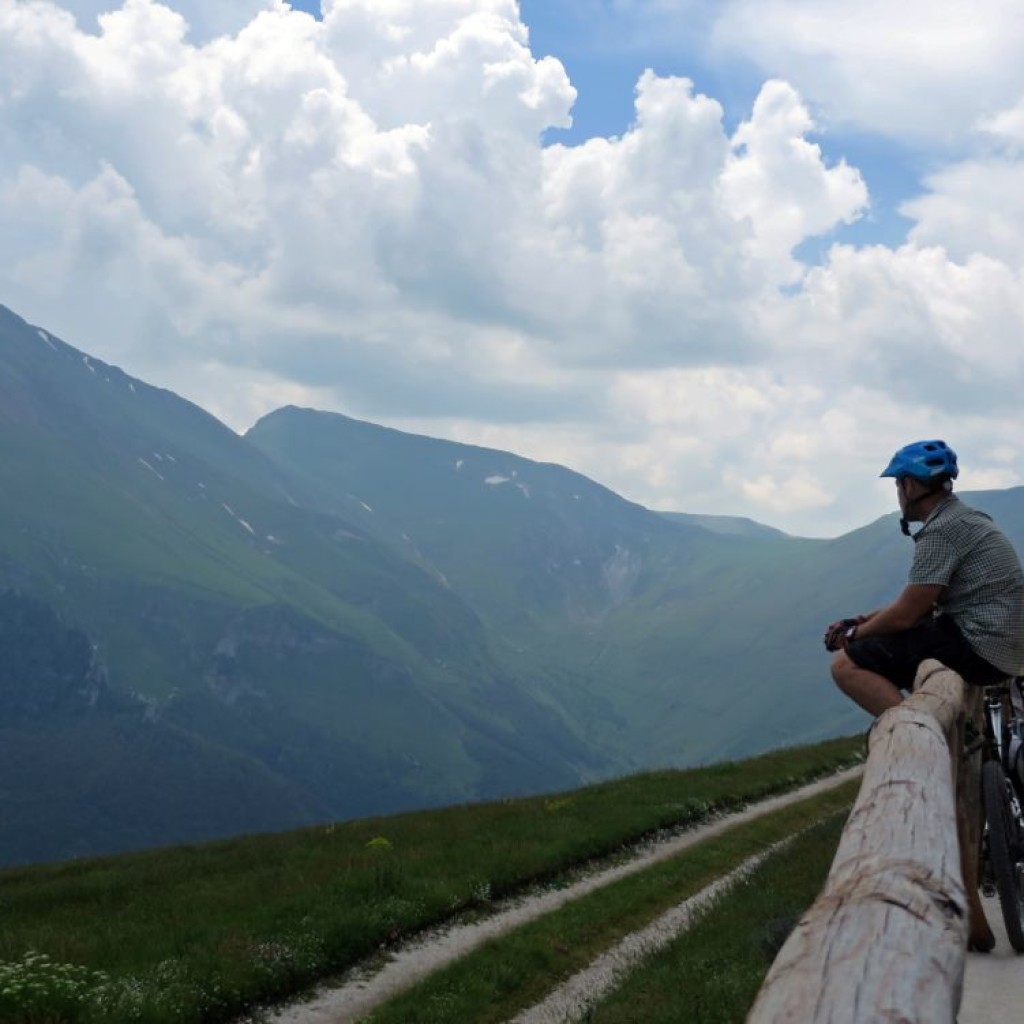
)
(897, 656)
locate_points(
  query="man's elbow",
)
(908, 618)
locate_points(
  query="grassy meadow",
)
(212, 932)
(712, 973)
(514, 972)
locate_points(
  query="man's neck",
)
(928, 504)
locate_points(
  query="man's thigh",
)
(896, 657)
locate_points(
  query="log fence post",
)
(887, 937)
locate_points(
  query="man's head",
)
(924, 473)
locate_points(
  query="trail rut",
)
(362, 990)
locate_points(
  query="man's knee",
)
(842, 666)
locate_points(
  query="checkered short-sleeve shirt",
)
(963, 550)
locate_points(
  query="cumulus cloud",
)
(775, 180)
(256, 207)
(921, 69)
(383, 170)
(973, 207)
(1006, 127)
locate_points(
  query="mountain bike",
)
(1002, 792)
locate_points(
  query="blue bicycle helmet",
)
(923, 460)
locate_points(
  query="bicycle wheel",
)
(1005, 850)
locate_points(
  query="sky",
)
(722, 256)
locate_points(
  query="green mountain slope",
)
(525, 540)
(544, 556)
(673, 642)
(83, 765)
(738, 526)
(273, 632)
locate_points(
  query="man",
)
(963, 603)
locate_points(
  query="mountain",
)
(674, 638)
(739, 526)
(671, 641)
(269, 632)
(524, 542)
(327, 618)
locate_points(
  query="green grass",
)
(512, 973)
(202, 933)
(713, 972)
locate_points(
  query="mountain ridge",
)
(375, 621)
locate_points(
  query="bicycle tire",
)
(1004, 850)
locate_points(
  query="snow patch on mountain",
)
(238, 519)
(150, 468)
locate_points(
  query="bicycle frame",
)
(1004, 730)
(994, 726)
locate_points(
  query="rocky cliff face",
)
(45, 667)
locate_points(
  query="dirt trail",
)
(994, 982)
(572, 1000)
(361, 992)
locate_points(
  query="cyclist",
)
(963, 603)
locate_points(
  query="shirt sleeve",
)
(935, 560)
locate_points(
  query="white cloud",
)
(785, 494)
(973, 207)
(776, 180)
(383, 168)
(1006, 127)
(256, 208)
(921, 69)
(914, 324)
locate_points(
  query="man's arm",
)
(914, 603)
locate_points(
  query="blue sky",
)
(605, 54)
(723, 256)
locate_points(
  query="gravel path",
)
(571, 1001)
(994, 982)
(361, 992)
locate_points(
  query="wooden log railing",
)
(886, 940)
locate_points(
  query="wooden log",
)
(886, 939)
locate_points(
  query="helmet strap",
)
(945, 487)
(909, 504)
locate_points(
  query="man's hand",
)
(835, 633)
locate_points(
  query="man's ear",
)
(913, 489)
